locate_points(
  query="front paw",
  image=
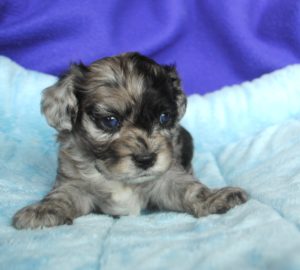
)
(204, 202)
(226, 198)
(40, 215)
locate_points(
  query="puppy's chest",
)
(114, 197)
(122, 200)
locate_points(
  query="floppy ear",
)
(180, 96)
(59, 103)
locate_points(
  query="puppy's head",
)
(123, 111)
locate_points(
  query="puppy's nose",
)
(144, 161)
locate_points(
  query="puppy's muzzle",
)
(144, 161)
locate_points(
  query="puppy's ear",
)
(59, 103)
(176, 82)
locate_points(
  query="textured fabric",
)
(246, 135)
(213, 43)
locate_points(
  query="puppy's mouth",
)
(135, 168)
(139, 177)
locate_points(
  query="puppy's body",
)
(121, 146)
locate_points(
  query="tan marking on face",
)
(127, 145)
(95, 133)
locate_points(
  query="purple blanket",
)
(213, 43)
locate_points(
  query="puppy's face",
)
(124, 112)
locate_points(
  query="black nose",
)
(144, 161)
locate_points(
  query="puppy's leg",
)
(179, 191)
(60, 206)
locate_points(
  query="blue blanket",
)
(213, 43)
(245, 135)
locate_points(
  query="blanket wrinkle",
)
(208, 170)
(245, 135)
(105, 247)
(280, 214)
(248, 147)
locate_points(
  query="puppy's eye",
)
(165, 118)
(110, 123)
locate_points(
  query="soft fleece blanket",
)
(213, 43)
(245, 135)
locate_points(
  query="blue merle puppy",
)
(121, 147)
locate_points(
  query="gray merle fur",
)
(138, 162)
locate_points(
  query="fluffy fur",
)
(122, 148)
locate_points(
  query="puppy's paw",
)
(40, 215)
(204, 202)
(226, 198)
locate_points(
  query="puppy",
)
(121, 147)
